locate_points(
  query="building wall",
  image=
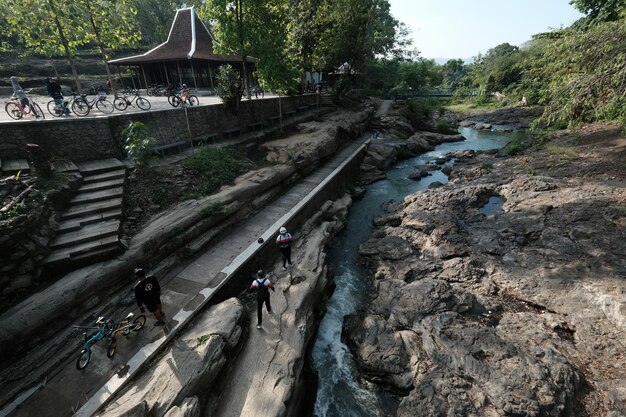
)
(97, 138)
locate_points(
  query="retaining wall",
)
(99, 138)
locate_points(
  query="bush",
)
(229, 87)
(139, 145)
(216, 166)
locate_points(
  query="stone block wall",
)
(98, 138)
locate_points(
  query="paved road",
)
(158, 103)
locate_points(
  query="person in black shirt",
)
(148, 292)
(262, 285)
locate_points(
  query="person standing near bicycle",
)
(19, 93)
(54, 90)
(148, 292)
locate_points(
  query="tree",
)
(255, 28)
(112, 24)
(49, 27)
(354, 31)
(601, 10)
(154, 17)
(453, 72)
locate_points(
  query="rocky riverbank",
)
(518, 311)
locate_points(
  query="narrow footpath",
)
(71, 392)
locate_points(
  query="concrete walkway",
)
(70, 392)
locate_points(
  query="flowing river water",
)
(340, 392)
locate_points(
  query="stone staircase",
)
(13, 166)
(88, 230)
(326, 100)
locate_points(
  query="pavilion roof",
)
(189, 38)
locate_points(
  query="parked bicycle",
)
(82, 106)
(257, 91)
(103, 331)
(93, 90)
(122, 101)
(16, 111)
(177, 99)
(126, 326)
(58, 110)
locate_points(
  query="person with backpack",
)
(284, 244)
(148, 292)
(262, 285)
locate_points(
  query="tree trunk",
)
(66, 47)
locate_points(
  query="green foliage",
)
(139, 145)
(216, 166)
(229, 87)
(516, 146)
(585, 75)
(601, 10)
(342, 87)
(215, 209)
(419, 110)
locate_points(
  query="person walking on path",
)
(148, 292)
(284, 243)
(262, 286)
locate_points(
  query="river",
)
(340, 391)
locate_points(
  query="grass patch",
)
(561, 150)
(621, 210)
(215, 209)
(216, 167)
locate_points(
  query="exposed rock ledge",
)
(519, 313)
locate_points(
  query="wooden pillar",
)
(211, 79)
(119, 73)
(167, 77)
(193, 74)
(180, 78)
(144, 77)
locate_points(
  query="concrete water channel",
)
(67, 391)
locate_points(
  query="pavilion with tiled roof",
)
(186, 57)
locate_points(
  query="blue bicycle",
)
(104, 330)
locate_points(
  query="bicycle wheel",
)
(173, 100)
(80, 107)
(54, 110)
(143, 103)
(112, 348)
(105, 106)
(138, 323)
(39, 114)
(13, 110)
(193, 101)
(120, 103)
(83, 359)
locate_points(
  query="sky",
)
(463, 28)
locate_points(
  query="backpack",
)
(262, 292)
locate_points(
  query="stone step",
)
(95, 196)
(89, 209)
(80, 251)
(97, 255)
(64, 166)
(13, 166)
(90, 232)
(75, 224)
(101, 185)
(97, 167)
(105, 176)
